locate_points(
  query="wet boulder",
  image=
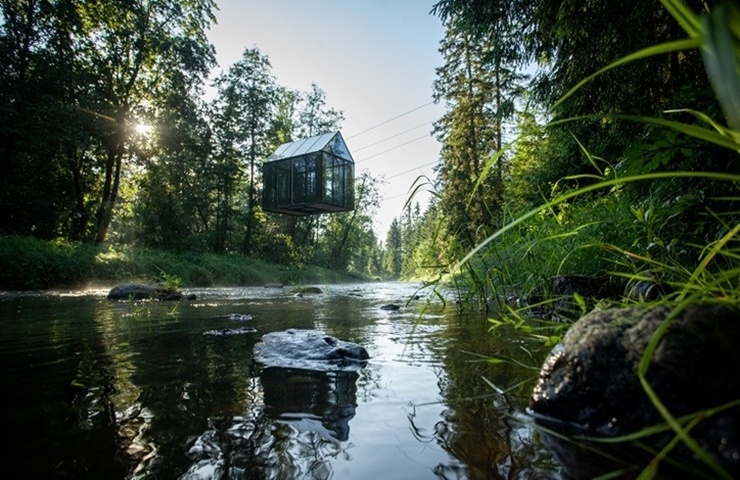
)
(309, 350)
(307, 291)
(589, 386)
(138, 291)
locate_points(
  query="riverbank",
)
(30, 264)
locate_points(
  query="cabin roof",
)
(331, 143)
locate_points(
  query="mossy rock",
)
(589, 386)
(138, 291)
(307, 290)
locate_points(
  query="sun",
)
(143, 128)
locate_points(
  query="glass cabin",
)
(309, 176)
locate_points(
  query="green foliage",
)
(658, 201)
(79, 83)
(32, 264)
(394, 250)
(78, 77)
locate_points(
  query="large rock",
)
(589, 386)
(307, 291)
(137, 291)
(309, 350)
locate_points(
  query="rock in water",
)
(307, 291)
(309, 350)
(137, 291)
(589, 385)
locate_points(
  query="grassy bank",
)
(31, 264)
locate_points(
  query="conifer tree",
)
(477, 83)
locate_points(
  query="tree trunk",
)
(79, 227)
(110, 188)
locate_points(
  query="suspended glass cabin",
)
(309, 176)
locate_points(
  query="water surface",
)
(101, 389)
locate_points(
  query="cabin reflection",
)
(320, 402)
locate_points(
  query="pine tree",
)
(478, 83)
(394, 250)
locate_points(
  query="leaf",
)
(687, 129)
(720, 55)
(580, 301)
(683, 15)
(651, 51)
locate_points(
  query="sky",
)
(375, 60)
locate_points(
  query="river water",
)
(109, 390)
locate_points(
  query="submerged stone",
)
(307, 291)
(223, 332)
(589, 385)
(309, 350)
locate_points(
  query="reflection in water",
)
(101, 390)
(321, 402)
(311, 413)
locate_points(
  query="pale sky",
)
(374, 59)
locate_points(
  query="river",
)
(96, 389)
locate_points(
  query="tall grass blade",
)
(589, 157)
(675, 46)
(489, 164)
(710, 256)
(691, 130)
(590, 188)
(658, 403)
(688, 20)
(420, 182)
(720, 55)
(722, 130)
(681, 432)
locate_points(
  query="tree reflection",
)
(479, 426)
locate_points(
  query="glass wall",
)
(305, 179)
(283, 183)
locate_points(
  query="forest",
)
(549, 165)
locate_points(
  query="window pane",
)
(283, 183)
(269, 194)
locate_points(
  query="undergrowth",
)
(31, 264)
(685, 240)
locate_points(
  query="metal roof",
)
(332, 143)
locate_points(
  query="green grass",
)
(31, 264)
